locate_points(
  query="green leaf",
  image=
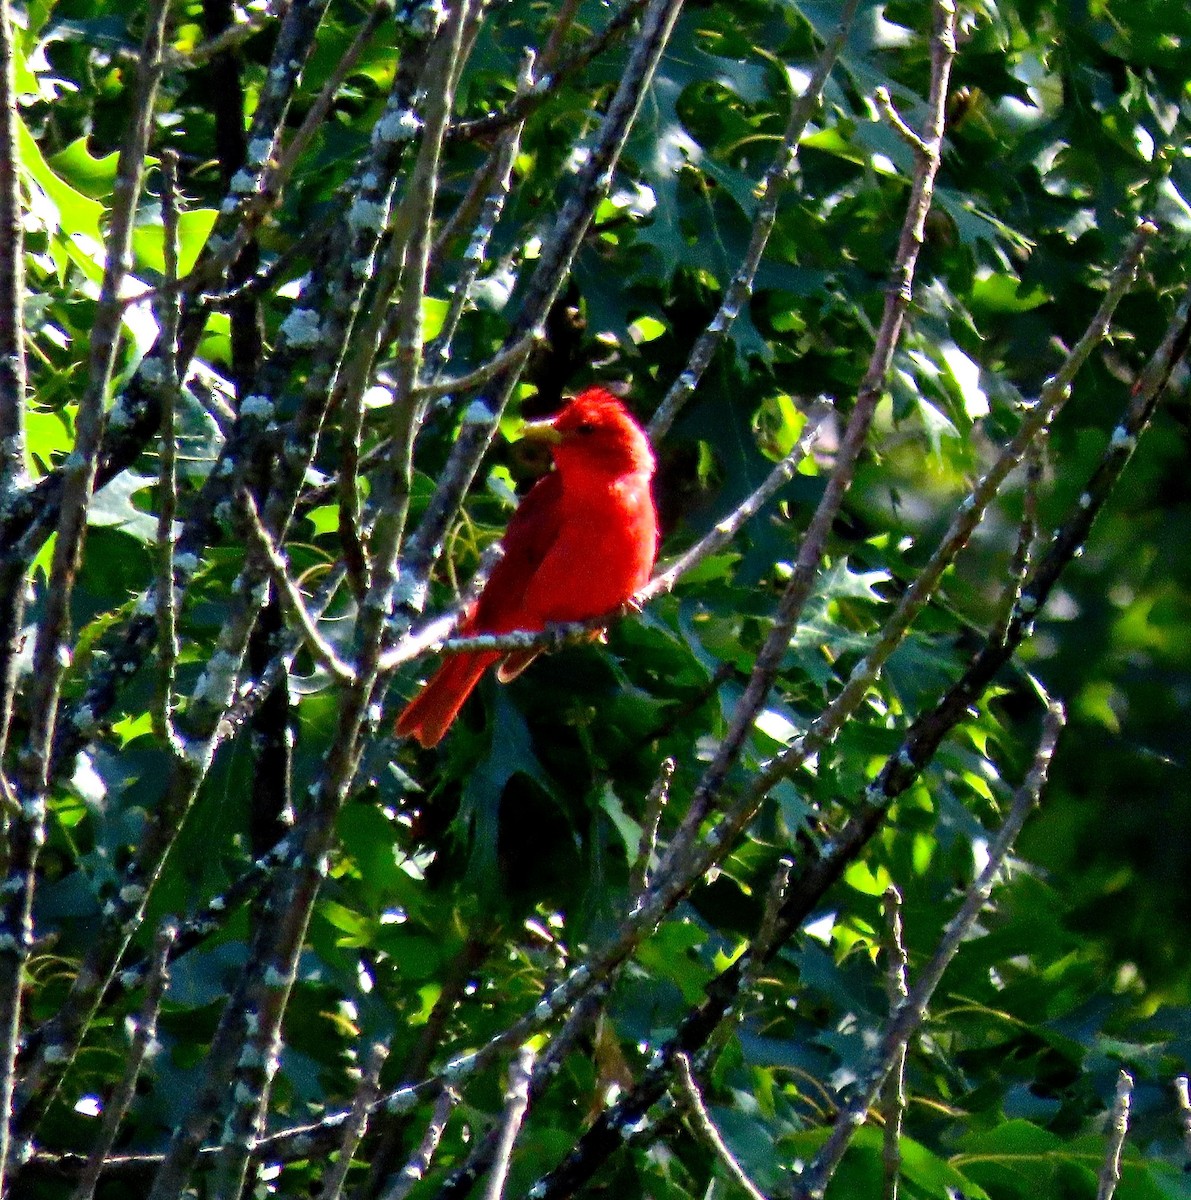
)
(112, 506)
(194, 227)
(91, 176)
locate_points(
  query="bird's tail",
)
(429, 714)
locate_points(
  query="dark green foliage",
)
(467, 880)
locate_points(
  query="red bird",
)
(580, 543)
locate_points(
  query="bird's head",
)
(595, 433)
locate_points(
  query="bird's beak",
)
(542, 432)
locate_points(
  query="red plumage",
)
(580, 543)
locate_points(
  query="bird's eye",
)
(585, 427)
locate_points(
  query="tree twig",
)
(51, 653)
(814, 541)
(291, 598)
(1110, 1172)
(169, 315)
(357, 1121)
(516, 1106)
(143, 1037)
(897, 988)
(655, 803)
(12, 275)
(772, 186)
(812, 1183)
(692, 1101)
(12, 391)
(415, 1170)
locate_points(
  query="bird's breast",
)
(605, 553)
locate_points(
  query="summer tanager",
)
(580, 543)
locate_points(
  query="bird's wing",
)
(532, 531)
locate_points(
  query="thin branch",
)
(814, 542)
(1110, 1172)
(12, 383)
(356, 1123)
(12, 274)
(517, 110)
(291, 597)
(415, 1170)
(691, 1099)
(1182, 1091)
(561, 26)
(230, 39)
(516, 1105)
(812, 1183)
(885, 103)
(655, 804)
(500, 174)
(1027, 532)
(169, 315)
(143, 1038)
(770, 192)
(51, 652)
(257, 188)
(510, 358)
(897, 988)
(273, 183)
(725, 530)
(461, 1181)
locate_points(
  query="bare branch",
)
(814, 542)
(143, 1038)
(516, 111)
(724, 531)
(897, 988)
(812, 1183)
(415, 1170)
(655, 803)
(692, 1101)
(462, 1180)
(510, 358)
(12, 275)
(885, 103)
(499, 171)
(232, 38)
(357, 1121)
(291, 598)
(169, 316)
(770, 192)
(12, 382)
(516, 1104)
(1110, 1173)
(279, 172)
(136, 418)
